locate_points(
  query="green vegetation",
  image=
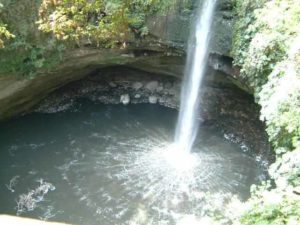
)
(266, 48)
(107, 23)
(26, 58)
(285, 211)
(29, 50)
(4, 33)
(42, 30)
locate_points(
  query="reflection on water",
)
(103, 164)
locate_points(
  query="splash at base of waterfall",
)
(112, 164)
(180, 160)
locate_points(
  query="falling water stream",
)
(187, 127)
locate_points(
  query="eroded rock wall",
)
(222, 104)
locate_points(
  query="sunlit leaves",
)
(4, 35)
(267, 48)
(104, 22)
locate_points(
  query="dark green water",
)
(108, 164)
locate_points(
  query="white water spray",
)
(195, 68)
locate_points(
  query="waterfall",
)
(187, 126)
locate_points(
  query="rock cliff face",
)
(162, 53)
(174, 28)
(222, 104)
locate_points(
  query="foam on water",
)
(117, 169)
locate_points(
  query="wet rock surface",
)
(174, 27)
(230, 109)
(116, 86)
